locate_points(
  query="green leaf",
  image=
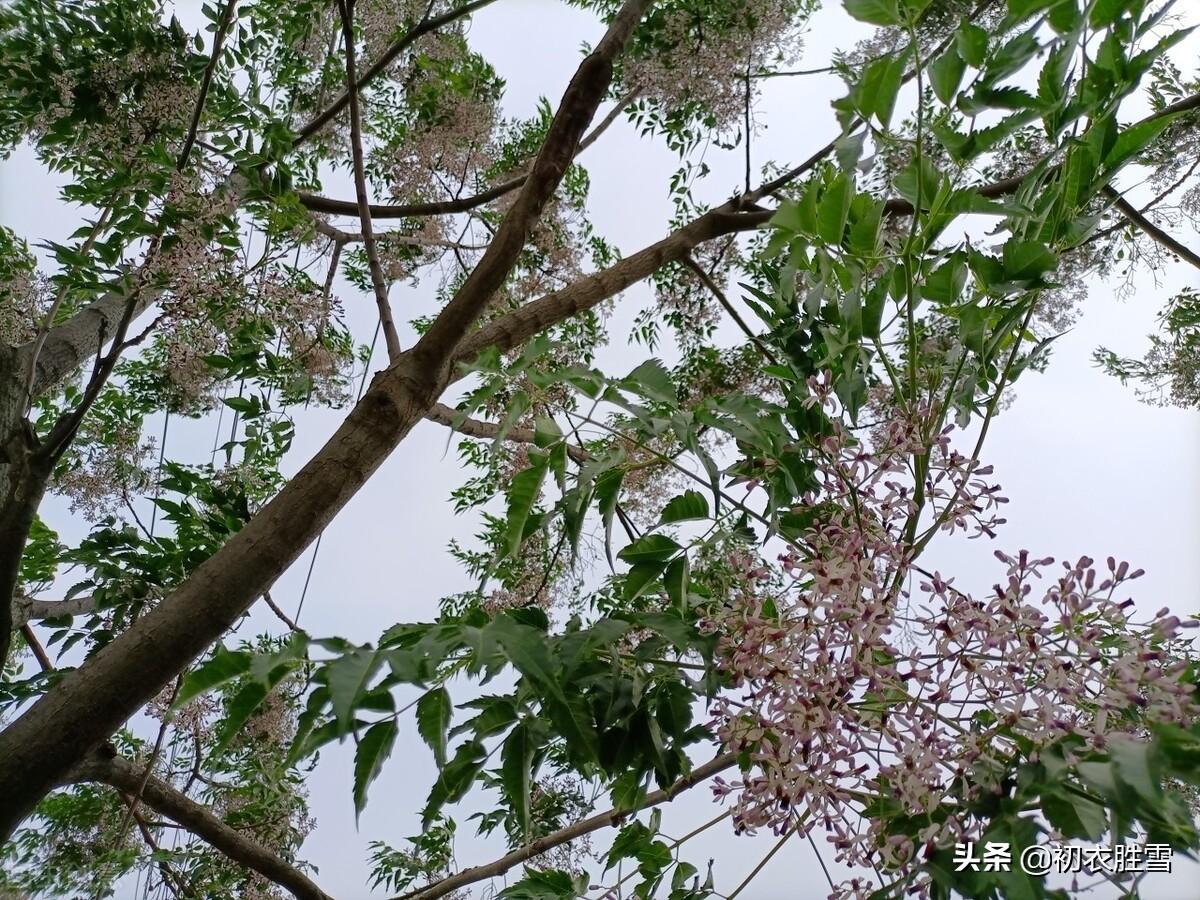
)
(373, 749)
(1074, 815)
(849, 149)
(526, 649)
(972, 44)
(433, 720)
(1131, 758)
(1134, 140)
(945, 74)
(547, 884)
(516, 773)
(835, 207)
(879, 86)
(1012, 56)
(675, 580)
(1027, 260)
(640, 577)
(688, 505)
(523, 492)
(651, 380)
(1105, 12)
(918, 182)
(876, 12)
(224, 666)
(455, 779)
(873, 306)
(348, 677)
(607, 493)
(1020, 10)
(650, 548)
(248, 698)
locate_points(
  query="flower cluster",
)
(703, 61)
(847, 689)
(25, 297)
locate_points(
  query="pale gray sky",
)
(1087, 468)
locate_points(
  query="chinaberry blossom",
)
(847, 685)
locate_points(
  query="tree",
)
(762, 507)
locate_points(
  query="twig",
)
(1152, 231)
(716, 291)
(378, 282)
(317, 203)
(373, 71)
(606, 819)
(206, 82)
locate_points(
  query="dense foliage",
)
(703, 574)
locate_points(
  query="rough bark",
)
(23, 476)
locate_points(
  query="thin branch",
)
(716, 291)
(39, 652)
(790, 73)
(27, 609)
(391, 237)
(169, 875)
(280, 614)
(608, 819)
(378, 281)
(763, 862)
(477, 428)
(165, 800)
(1152, 231)
(206, 82)
(426, 26)
(317, 203)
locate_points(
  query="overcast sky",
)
(1087, 468)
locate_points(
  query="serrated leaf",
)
(348, 677)
(454, 779)
(675, 580)
(946, 73)
(649, 548)
(516, 772)
(523, 492)
(224, 666)
(651, 380)
(876, 12)
(835, 207)
(688, 505)
(374, 748)
(433, 720)
(971, 42)
(1133, 140)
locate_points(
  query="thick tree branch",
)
(89, 703)
(607, 819)
(575, 111)
(67, 346)
(28, 609)
(157, 794)
(518, 326)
